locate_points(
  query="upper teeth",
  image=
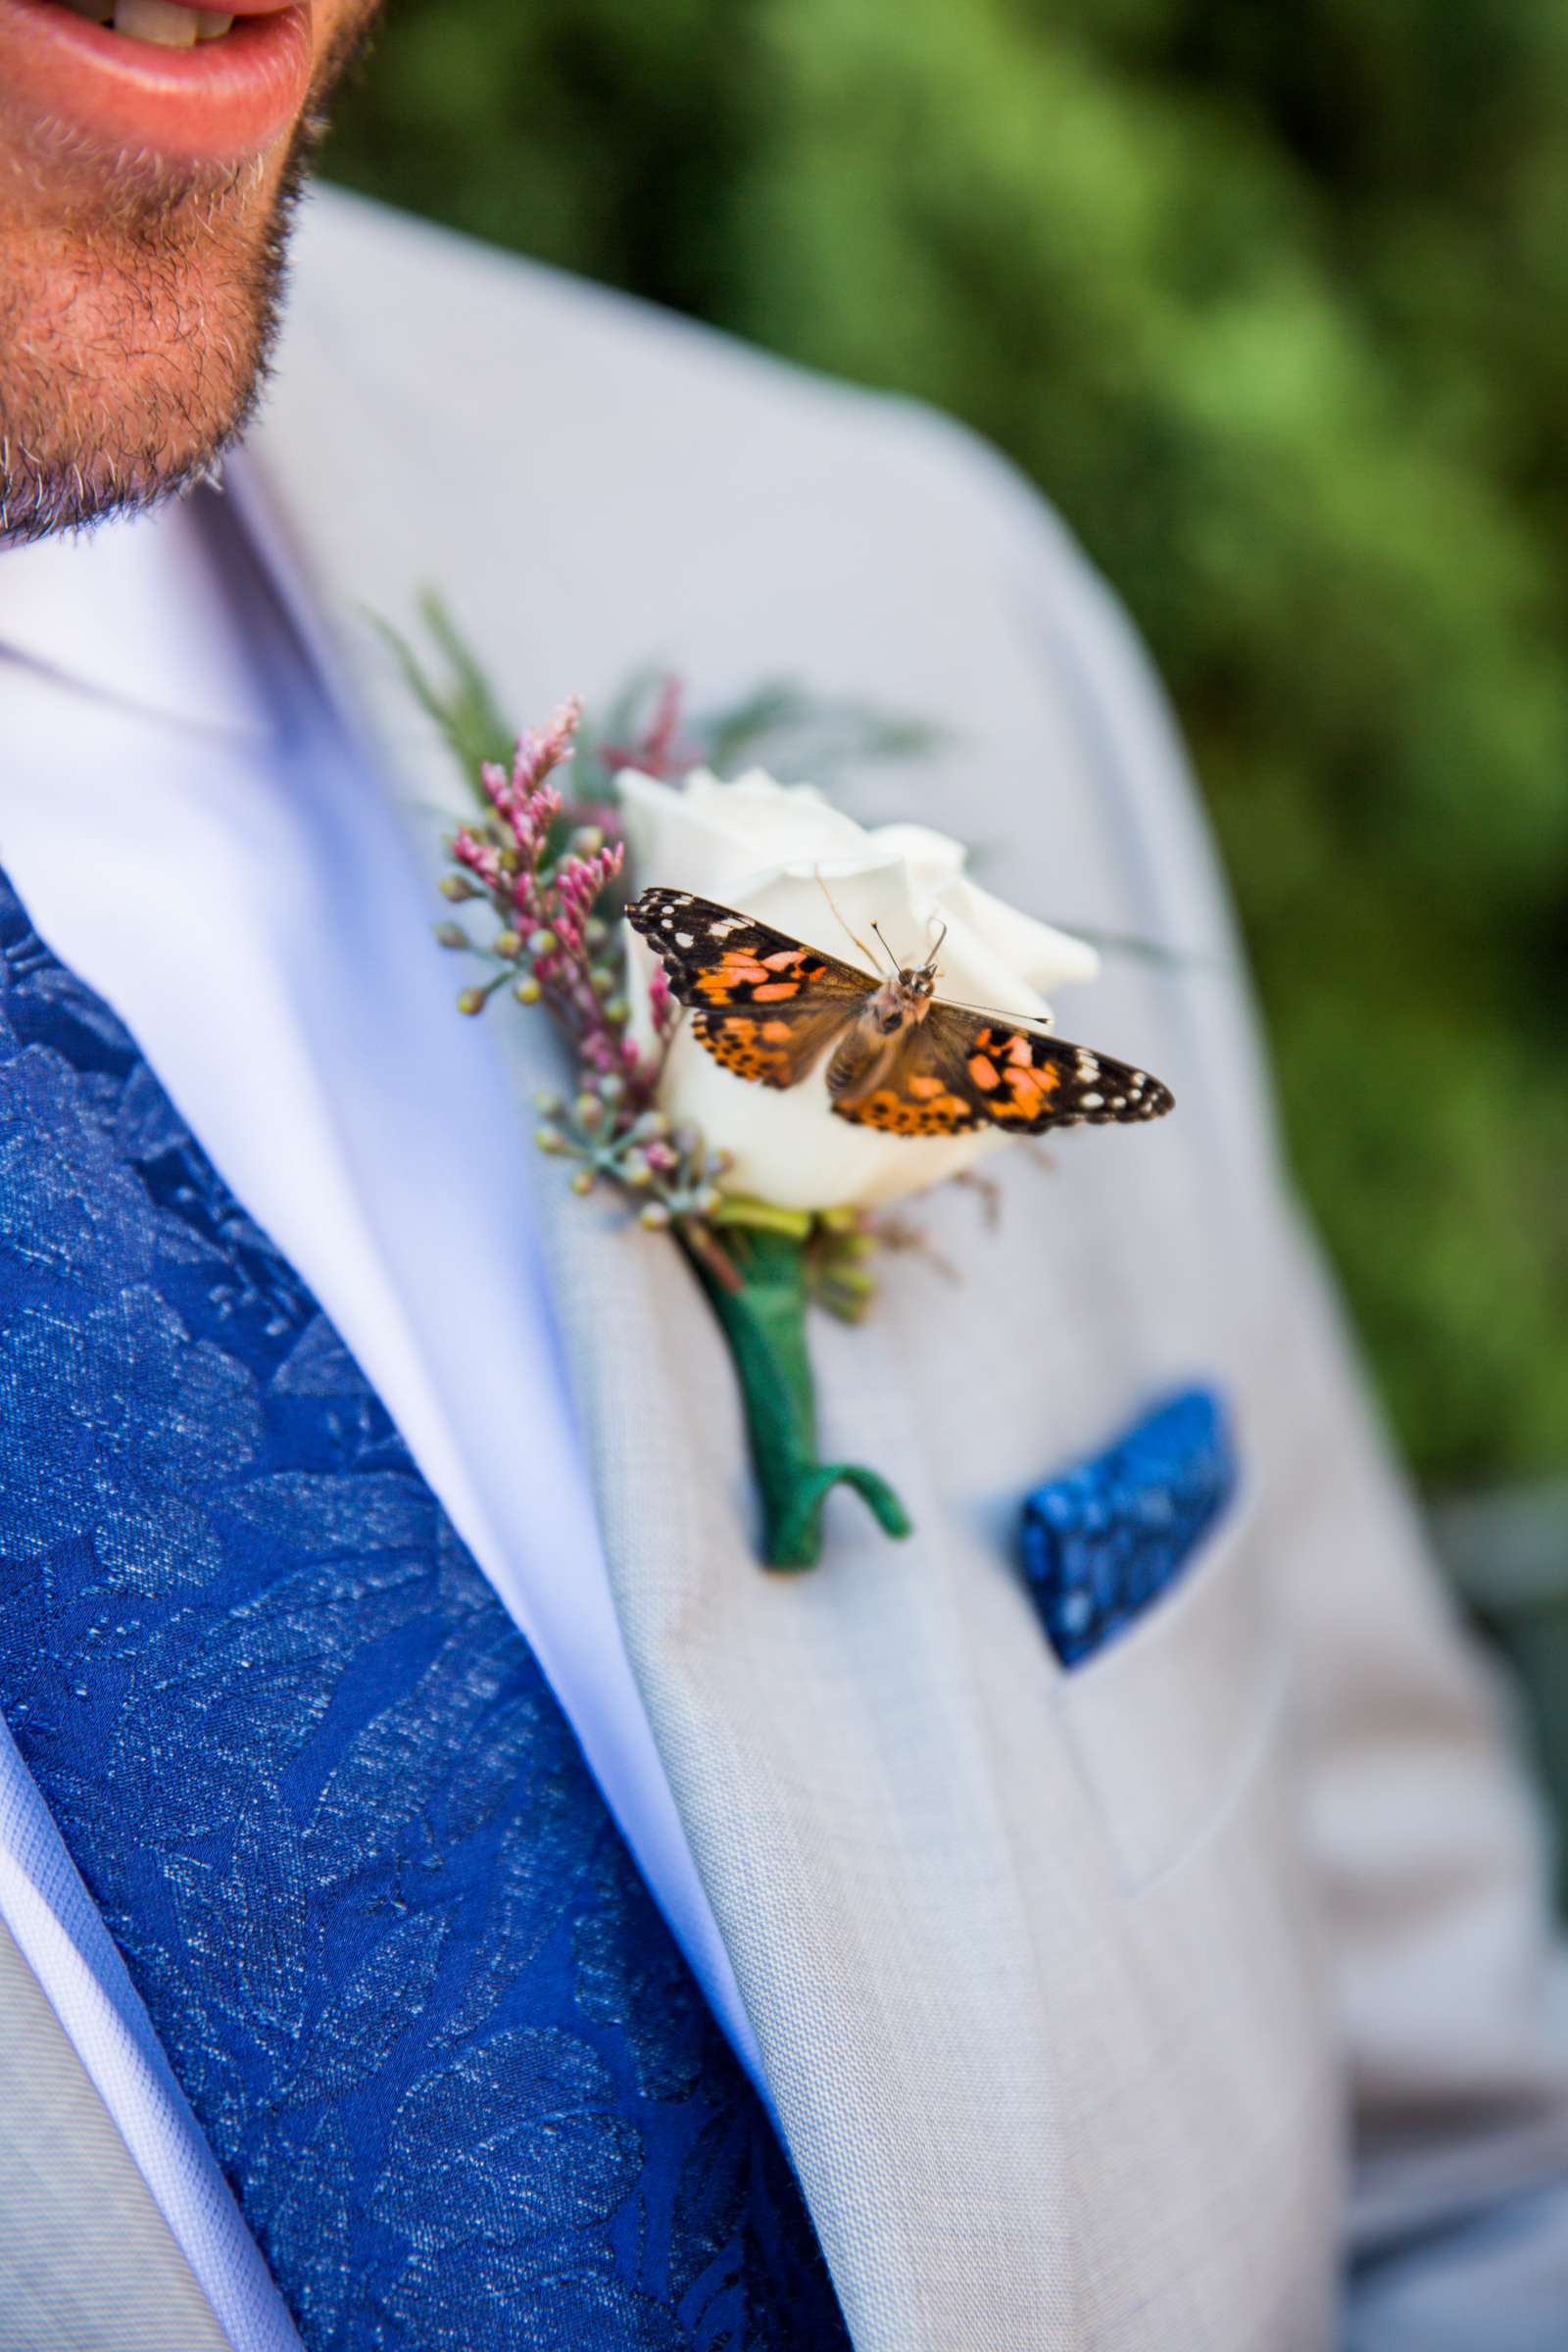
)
(156, 20)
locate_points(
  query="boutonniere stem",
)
(762, 1314)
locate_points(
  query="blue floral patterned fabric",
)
(453, 2066)
(1104, 1540)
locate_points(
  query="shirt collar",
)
(167, 613)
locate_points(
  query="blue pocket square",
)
(1102, 1542)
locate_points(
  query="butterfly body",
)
(767, 1007)
(875, 1039)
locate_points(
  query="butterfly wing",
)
(956, 1071)
(764, 1006)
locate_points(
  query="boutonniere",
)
(778, 1024)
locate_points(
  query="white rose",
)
(767, 850)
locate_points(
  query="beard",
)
(138, 320)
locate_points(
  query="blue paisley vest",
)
(452, 2065)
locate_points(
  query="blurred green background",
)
(1274, 305)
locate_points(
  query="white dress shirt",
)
(193, 831)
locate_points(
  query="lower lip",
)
(218, 102)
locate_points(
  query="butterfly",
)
(901, 1058)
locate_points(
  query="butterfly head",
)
(903, 998)
(905, 994)
(913, 985)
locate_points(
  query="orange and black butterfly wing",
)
(764, 1006)
(1026, 1081)
(956, 1071)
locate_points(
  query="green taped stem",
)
(761, 1216)
(765, 1323)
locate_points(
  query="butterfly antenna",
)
(994, 1013)
(886, 950)
(933, 951)
(868, 952)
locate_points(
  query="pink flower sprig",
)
(550, 944)
(553, 947)
(659, 751)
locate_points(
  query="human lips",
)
(154, 78)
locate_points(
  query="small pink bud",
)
(661, 999)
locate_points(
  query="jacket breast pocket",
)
(1150, 1592)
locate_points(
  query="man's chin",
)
(141, 277)
(132, 352)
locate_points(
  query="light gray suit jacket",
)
(1112, 2009)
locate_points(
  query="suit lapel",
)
(863, 1757)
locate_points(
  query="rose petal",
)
(1045, 956)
